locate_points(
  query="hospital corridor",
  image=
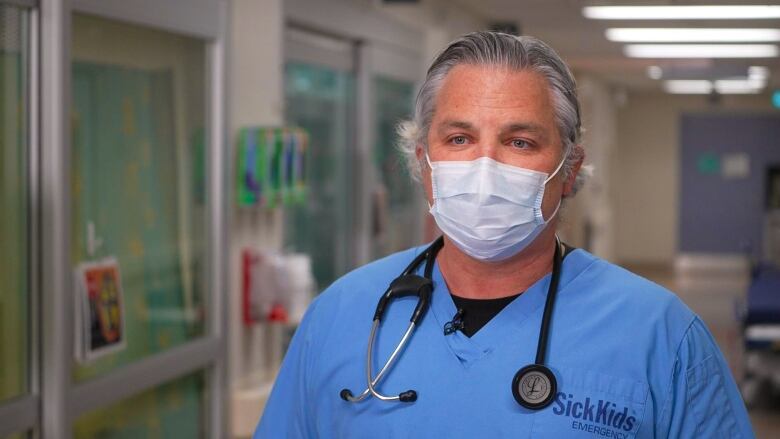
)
(389, 218)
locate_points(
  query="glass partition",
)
(400, 217)
(138, 189)
(321, 100)
(14, 213)
(173, 410)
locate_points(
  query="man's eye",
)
(459, 140)
(520, 143)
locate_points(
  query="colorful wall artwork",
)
(271, 167)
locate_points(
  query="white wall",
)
(441, 20)
(645, 184)
(256, 99)
(592, 204)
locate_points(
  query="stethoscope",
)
(533, 386)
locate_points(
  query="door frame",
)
(382, 46)
(55, 400)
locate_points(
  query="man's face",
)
(486, 111)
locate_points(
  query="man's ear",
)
(568, 186)
(419, 151)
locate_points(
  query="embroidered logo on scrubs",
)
(598, 416)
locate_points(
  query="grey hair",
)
(497, 49)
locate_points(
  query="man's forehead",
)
(488, 74)
(491, 86)
(509, 101)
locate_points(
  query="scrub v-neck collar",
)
(507, 325)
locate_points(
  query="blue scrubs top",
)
(631, 361)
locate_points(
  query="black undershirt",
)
(473, 314)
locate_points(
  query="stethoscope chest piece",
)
(534, 386)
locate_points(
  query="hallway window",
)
(399, 219)
(320, 99)
(14, 212)
(138, 183)
(173, 410)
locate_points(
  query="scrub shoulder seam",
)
(670, 382)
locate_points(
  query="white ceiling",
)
(581, 41)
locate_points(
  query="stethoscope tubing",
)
(429, 256)
(544, 330)
(370, 390)
(369, 355)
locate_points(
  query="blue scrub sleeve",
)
(703, 399)
(286, 413)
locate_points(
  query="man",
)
(495, 142)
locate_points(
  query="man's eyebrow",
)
(523, 126)
(449, 124)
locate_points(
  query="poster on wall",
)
(100, 309)
(271, 166)
(300, 143)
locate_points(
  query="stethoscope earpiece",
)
(408, 396)
(534, 386)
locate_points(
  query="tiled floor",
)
(713, 298)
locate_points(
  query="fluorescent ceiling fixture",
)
(681, 12)
(758, 72)
(701, 50)
(722, 86)
(655, 72)
(688, 86)
(691, 35)
(738, 86)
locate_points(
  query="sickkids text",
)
(601, 411)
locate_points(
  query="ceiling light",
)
(681, 12)
(691, 35)
(738, 86)
(701, 51)
(695, 86)
(655, 72)
(758, 72)
(721, 86)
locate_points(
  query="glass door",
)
(320, 97)
(18, 394)
(138, 206)
(132, 172)
(396, 196)
(398, 204)
(112, 224)
(14, 291)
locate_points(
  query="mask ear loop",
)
(558, 207)
(560, 165)
(430, 166)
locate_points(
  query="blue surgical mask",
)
(489, 210)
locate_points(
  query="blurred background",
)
(179, 178)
